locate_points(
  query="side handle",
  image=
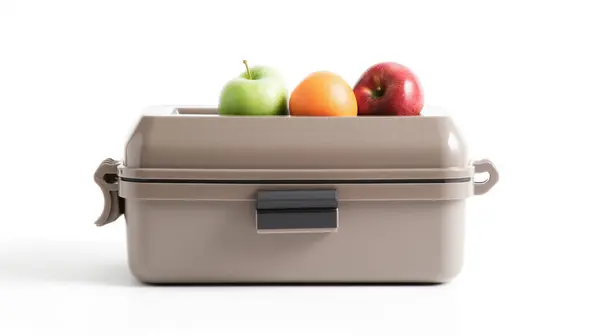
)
(107, 178)
(485, 166)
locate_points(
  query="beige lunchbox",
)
(226, 199)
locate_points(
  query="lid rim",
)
(248, 192)
(140, 174)
(300, 181)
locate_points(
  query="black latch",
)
(296, 211)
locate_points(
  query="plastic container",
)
(213, 199)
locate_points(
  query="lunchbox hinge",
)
(297, 211)
(107, 178)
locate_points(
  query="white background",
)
(519, 77)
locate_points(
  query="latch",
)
(297, 211)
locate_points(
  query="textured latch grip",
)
(106, 177)
(300, 211)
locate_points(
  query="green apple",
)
(259, 91)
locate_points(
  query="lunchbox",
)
(284, 199)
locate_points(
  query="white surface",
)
(520, 78)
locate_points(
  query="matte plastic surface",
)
(203, 141)
(204, 241)
(189, 183)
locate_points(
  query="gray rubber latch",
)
(299, 211)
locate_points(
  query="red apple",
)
(389, 89)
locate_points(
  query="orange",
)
(323, 93)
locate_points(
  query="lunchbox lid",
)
(198, 138)
(192, 153)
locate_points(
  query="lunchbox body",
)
(212, 241)
(210, 199)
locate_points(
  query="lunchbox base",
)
(216, 243)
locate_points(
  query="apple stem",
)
(378, 83)
(247, 69)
